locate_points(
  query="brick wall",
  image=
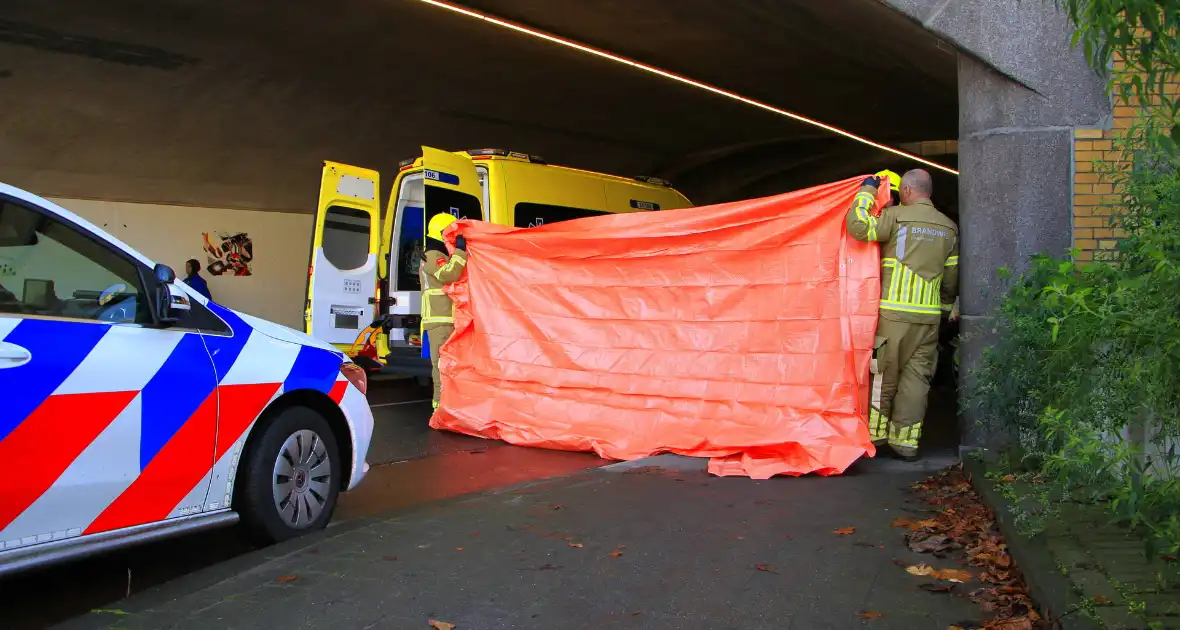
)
(1093, 198)
(1095, 201)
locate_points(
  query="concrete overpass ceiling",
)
(827, 60)
(236, 104)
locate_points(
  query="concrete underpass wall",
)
(171, 234)
(1023, 93)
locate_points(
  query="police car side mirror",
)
(164, 274)
(168, 301)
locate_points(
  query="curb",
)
(1053, 592)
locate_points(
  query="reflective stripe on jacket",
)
(438, 270)
(919, 256)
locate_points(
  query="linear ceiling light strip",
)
(682, 79)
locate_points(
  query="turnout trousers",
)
(437, 336)
(905, 358)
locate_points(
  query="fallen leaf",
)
(861, 543)
(901, 563)
(952, 575)
(615, 554)
(576, 545)
(621, 547)
(870, 614)
(932, 544)
(636, 614)
(998, 560)
(556, 507)
(1168, 557)
(920, 569)
(936, 588)
(912, 525)
(474, 533)
(458, 549)
(844, 531)
(389, 558)
(288, 578)
(441, 625)
(766, 567)
(1101, 600)
(1014, 623)
(954, 628)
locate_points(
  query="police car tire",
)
(258, 512)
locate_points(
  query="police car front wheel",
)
(292, 477)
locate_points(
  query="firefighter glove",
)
(460, 243)
(873, 182)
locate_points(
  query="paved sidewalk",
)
(656, 544)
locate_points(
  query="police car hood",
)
(282, 333)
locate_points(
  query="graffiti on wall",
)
(228, 254)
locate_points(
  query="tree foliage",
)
(1085, 370)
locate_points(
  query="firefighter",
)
(919, 282)
(436, 271)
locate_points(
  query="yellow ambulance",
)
(364, 267)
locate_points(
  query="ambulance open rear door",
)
(452, 187)
(342, 278)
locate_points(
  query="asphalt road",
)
(412, 464)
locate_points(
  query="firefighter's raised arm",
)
(862, 225)
(455, 264)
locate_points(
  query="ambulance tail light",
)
(356, 375)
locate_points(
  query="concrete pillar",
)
(1022, 91)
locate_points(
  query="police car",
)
(134, 409)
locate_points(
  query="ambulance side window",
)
(52, 268)
(538, 214)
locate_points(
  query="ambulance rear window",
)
(346, 237)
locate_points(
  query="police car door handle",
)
(12, 355)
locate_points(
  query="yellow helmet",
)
(438, 223)
(894, 179)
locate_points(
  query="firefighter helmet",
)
(438, 223)
(894, 179)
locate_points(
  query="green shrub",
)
(1084, 372)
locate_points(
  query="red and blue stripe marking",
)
(189, 418)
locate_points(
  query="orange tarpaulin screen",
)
(741, 332)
